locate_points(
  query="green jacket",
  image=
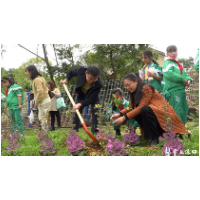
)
(3, 97)
(172, 77)
(12, 98)
(196, 62)
(157, 71)
(110, 111)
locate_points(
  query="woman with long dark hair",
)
(53, 108)
(40, 90)
(149, 111)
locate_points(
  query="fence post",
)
(86, 109)
(29, 107)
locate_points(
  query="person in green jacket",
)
(196, 62)
(176, 79)
(154, 74)
(14, 101)
(118, 103)
(3, 105)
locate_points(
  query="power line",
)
(31, 52)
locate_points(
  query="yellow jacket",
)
(40, 90)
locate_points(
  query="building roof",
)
(160, 52)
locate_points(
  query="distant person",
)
(53, 107)
(196, 62)
(3, 105)
(176, 79)
(118, 104)
(14, 101)
(88, 89)
(146, 108)
(40, 90)
(153, 70)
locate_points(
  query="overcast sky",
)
(15, 55)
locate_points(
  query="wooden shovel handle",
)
(73, 103)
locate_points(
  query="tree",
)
(50, 69)
(116, 60)
(187, 63)
(22, 78)
(66, 54)
(2, 50)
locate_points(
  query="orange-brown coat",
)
(158, 104)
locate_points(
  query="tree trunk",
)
(72, 56)
(47, 62)
(112, 64)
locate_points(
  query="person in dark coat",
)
(88, 89)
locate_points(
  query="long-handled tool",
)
(80, 117)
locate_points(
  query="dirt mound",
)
(92, 148)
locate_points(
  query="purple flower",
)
(47, 147)
(172, 145)
(13, 147)
(116, 148)
(75, 144)
(131, 138)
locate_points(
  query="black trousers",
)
(149, 123)
(94, 116)
(53, 114)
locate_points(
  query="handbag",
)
(51, 94)
(60, 103)
(31, 117)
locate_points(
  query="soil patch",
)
(92, 148)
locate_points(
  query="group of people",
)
(146, 107)
(44, 101)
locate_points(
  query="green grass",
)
(143, 149)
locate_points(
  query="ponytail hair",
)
(150, 55)
(155, 62)
(10, 80)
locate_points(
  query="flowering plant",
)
(41, 137)
(116, 148)
(106, 136)
(48, 147)
(132, 137)
(13, 147)
(75, 144)
(172, 145)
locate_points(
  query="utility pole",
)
(47, 63)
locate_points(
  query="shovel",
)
(80, 117)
